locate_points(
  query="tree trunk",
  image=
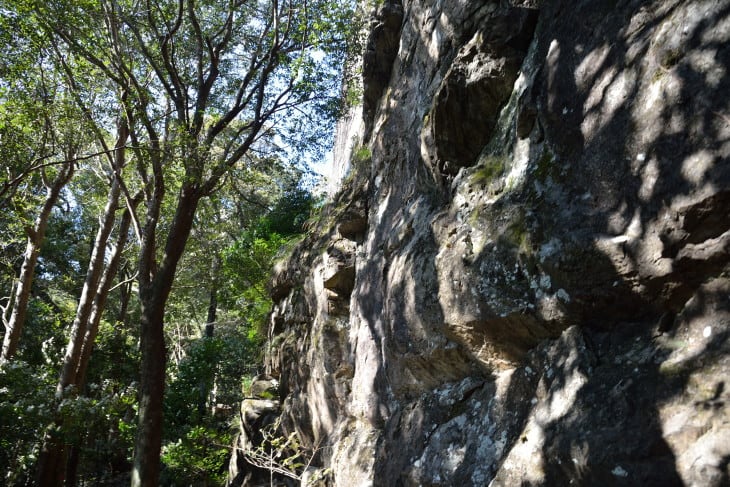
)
(125, 292)
(213, 296)
(204, 387)
(14, 326)
(72, 466)
(153, 295)
(89, 293)
(100, 300)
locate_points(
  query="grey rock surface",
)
(528, 280)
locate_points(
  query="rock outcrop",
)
(527, 279)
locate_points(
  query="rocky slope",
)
(525, 277)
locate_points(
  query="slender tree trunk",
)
(72, 466)
(213, 296)
(205, 386)
(100, 300)
(153, 295)
(89, 293)
(125, 295)
(14, 325)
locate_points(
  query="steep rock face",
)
(527, 281)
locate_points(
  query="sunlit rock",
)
(525, 278)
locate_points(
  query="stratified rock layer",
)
(530, 284)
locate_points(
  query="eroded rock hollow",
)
(524, 279)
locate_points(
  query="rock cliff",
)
(524, 279)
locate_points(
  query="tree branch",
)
(124, 282)
(9, 306)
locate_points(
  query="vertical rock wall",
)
(524, 280)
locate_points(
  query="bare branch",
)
(124, 282)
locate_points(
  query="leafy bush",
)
(200, 457)
(101, 424)
(197, 451)
(26, 406)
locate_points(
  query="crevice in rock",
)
(380, 52)
(476, 87)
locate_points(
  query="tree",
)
(19, 299)
(45, 158)
(207, 84)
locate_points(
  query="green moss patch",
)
(489, 169)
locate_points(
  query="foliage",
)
(200, 366)
(101, 422)
(26, 399)
(288, 216)
(248, 262)
(66, 249)
(197, 451)
(239, 359)
(116, 354)
(42, 340)
(198, 458)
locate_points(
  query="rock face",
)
(527, 279)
